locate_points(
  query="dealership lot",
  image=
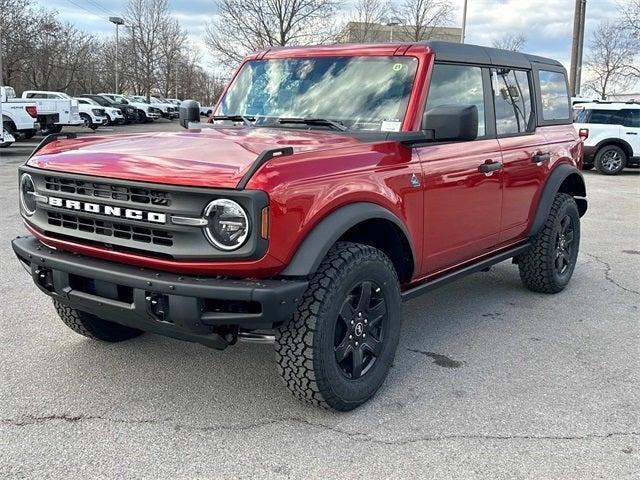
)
(489, 380)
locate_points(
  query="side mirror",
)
(452, 122)
(189, 112)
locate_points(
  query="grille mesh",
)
(111, 229)
(108, 191)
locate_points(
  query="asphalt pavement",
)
(490, 380)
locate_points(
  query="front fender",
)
(326, 233)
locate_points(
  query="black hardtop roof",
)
(465, 53)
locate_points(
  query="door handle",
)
(541, 157)
(631, 133)
(490, 166)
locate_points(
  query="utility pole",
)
(577, 47)
(117, 21)
(464, 21)
(1, 76)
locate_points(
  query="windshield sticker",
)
(390, 126)
(397, 67)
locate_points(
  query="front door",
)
(462, 181)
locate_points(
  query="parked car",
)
(128, 111)
(144, 111)
(167, 110)
(206, 110)
(92, 114)
(306, 219)
(113, 115)
(6, 137)
(49, 105)
(613, 131)
(19, 117)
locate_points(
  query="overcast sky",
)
(547, 24)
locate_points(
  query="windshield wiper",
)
(315, 121)
(248, 121)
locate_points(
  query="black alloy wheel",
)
(360, 330)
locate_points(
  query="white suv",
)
(613, 141)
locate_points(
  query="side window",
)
(603, 117)
(512, 99)
(631, 118)
(555, 98)
(458, 85)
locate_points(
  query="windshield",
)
(87, 100)
(104, 101)
(139, 99)
(363, 93)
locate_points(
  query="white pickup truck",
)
(56, 103)
(19, 117)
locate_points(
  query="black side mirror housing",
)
(189, 112)
(452, 122)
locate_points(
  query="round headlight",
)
(27, 194)
(228, 226)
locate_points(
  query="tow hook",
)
(44, 278)
(158, 306)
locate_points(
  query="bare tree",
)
(366, 17)
(244, 26)
(510, 41)
(146, 20)
(172, 40)
(610, 62)
(630, 10)
(421, 17)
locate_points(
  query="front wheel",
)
(142, 117)
(548, 266)
(339, 346)
(8, 130)
(93, 327)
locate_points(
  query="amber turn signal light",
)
(264, 224)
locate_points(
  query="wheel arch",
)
(361, 222)
(564, 178)
(618, 142)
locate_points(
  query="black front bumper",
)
(199, 309)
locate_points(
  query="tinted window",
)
(458, 85)
(555, 98)
(631, 118)
(602, 117)
(512, 99)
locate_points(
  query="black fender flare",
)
(326, 233)
(551, 187)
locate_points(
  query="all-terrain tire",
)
(93, 327)
(305, 347)
(610, 160)
(538, 267)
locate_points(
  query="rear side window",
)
(458, 85)
(631, 118)
(554, 95)
(512, 100)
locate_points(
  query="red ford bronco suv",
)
(333, 183)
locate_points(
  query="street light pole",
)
(117, 21)
(464, 21)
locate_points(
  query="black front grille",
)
(111, 229)
(108, 191)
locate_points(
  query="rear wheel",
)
(93, 327)
(142, 117)
(337, 350)
(610, 160)
(548, 266)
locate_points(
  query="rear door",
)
(462, 205)
(631, 129)
(525, 154)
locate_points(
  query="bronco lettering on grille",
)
(109, 210)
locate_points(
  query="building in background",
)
(360, 32)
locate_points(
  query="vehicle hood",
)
(211, 157)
